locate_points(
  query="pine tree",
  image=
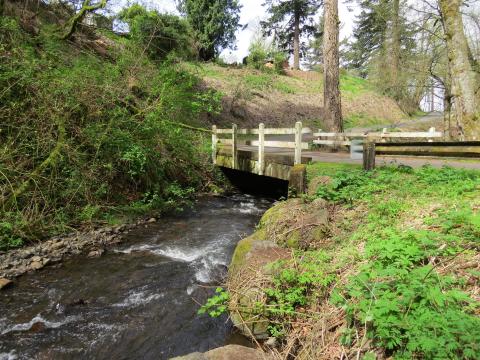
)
(214, 23)
(369, 34)
(290, 20)
(314, 55)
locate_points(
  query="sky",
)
(251, 14)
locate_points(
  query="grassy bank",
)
(283, 99)
(91, 131)
(395, 274)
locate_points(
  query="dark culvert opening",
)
(257, 185)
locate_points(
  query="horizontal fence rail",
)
(453, 149)
(344, 139)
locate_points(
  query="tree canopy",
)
(159, 33)
(288, 21)
(214, 24)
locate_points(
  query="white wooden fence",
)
(344, 139)
(298, 145)
(256, 137)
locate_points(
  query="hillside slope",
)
(252, 96)
(90, 128)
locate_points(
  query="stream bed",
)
(139, 300)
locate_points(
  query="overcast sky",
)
(251, 14)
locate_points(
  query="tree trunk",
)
(87, 7)
(432, 99)
(464, 78)
(296, 41)
(396, 39)
(332, 100)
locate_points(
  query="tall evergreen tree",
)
(288, 21)
(370, 33)
(214, 23)
(383, 46)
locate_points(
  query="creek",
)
(139, 300)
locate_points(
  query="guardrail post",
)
(261, 149)
(298, 143)
(214, 144)
(234, 147)
(368, 155)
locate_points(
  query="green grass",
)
(361, 119)
(259, 81)
(388, 263)
(407, 306)
(353, 85)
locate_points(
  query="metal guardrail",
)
(453, 149)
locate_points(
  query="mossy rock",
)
(296, 223)
(249, 319)
(243, 248)
(293, 239)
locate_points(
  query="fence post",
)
(368, 155)
(384, 133)
(431, 131)
(261, 149)
(234, 147)
(214, 144)
(298, 143)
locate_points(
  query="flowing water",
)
(139, 300)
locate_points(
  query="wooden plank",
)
(407, 135)
(234, 147)
(214, 144)
(339, 135)
(435, 143)
(369, 153)
(298, 143)
(419, 134)
(285, 131)
(279, 144)
(261, 148)
(267, 131)
(224, 131)
(332, 142)
(445, 150)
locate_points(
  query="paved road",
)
(431, 118)
(413, 161)
(344, 158)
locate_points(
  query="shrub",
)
(82, 136)
(260, 54)
(161, 34)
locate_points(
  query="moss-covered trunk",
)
(464, 78)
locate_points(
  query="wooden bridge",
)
(282, 152)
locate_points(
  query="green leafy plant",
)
(217, 304)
